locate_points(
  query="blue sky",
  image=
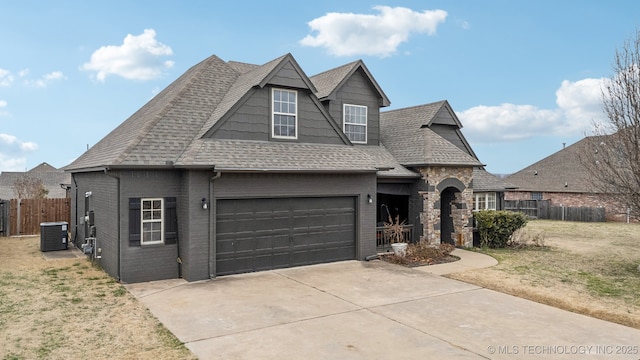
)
(523, 76)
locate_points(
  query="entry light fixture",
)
(369, 199)
(205, 206)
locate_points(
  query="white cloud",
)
(11, 140)
(6, 79)
(13, 152)
(138, 58)
(8, 139)
(347, 34)
(28, 146)
(45, 80)
(579, 106)
(3, 104)
(11, 163)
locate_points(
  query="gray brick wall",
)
(151, 262)
(155, 262)
(194, 238)
(103, 203)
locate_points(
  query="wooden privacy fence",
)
(531, 208)
(542, 209)
(25, 215)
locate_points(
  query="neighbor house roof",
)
(406, 134)
(559, 172)
(50, 176)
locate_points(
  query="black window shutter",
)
(134, 222)
(170, 221)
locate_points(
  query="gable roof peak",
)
(330, 81)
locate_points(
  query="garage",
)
(268, 233)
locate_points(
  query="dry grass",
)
(588, 268)
(70, 309)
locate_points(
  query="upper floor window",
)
(152, 221)
(355, 123)
(285, 114)
(484, 201)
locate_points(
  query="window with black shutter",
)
(153, 221)
(134, 221)
(170, 221)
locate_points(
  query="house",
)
(562, 179)
(54, 180)
(238, 167)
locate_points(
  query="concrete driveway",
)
(371, 310)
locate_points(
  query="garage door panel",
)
(261, 234)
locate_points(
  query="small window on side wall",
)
(354, 123)
(536, 196)
(152, 221)
(152, 215)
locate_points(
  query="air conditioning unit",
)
(54, 236)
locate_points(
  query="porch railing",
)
(383, 241)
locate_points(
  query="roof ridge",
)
(337, 67)
(415, 106)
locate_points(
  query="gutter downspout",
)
(212, 229)
(75, 220)
(106, 172)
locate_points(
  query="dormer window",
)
(285, 114)
(355, 123)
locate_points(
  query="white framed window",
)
(284, 116)
(354, 123)
(484, 201)
(152, 215)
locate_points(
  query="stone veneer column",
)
(462, 207)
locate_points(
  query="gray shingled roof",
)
(486, 181)
(405, 134)
(553, 172)
(162, 129)
(329, 82)
(159, 133)
(170, 129)
(245, 155)
(384, 159)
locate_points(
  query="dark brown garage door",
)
(263, 234)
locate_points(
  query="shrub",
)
(496, 227)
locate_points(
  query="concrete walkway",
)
(373, 310)
(469, 260)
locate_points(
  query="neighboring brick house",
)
(237, 167)
(562, 179)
